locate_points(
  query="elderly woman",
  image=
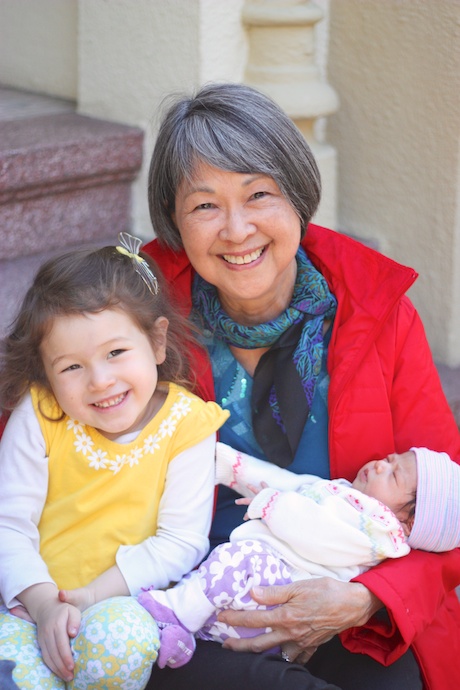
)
(311, 343)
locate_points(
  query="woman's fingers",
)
(257, 644)
(307, 613)
(295, 654)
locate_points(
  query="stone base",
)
(65, 178)
(65, 182)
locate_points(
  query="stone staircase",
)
(65, 181)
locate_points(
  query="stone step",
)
(65, 181)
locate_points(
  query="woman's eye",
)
(259, 195)
(204, 206)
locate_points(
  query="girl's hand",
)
(20, 611)
(82, 597)
(57, 622)
(307, 614)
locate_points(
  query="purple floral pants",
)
(227, 577)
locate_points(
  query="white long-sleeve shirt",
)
(184, 515)
(320, 527)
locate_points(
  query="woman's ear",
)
(160, 331)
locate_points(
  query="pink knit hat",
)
(437, 510)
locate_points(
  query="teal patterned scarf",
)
(285, 377)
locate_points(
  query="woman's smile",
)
(241, 235)
(248, 258)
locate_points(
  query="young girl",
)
(301, 526)
(106, 468)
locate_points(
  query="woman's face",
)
(241, 235)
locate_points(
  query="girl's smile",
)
(102, 369)
(111, 402)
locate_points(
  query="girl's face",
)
(241, 235)
(102, 369)
(393, 480)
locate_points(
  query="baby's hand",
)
(256, 489)
(247, 501)
(82, 597)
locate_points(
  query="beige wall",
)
(38, 46)
(133, 54)
(396, 67)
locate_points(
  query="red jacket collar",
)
(344, 262)
(363, 304)
(340, 259)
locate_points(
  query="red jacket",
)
(384, 396)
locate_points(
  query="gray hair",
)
(235, 128)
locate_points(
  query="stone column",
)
(281, 63)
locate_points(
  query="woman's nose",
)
(236, 226)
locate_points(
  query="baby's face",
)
(393, 480)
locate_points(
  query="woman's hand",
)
(307, 614)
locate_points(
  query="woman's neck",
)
(255, 312)
(248, 359)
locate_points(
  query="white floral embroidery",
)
(181, 407)
(83, 443)
(99, 459)
(134, 457)
(74, 425)
(151, 444)
(117, 464)
(167, 427)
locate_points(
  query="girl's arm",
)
(24, 577)
(184, 520)
(108, 584)
(240, 472)
(23, 489)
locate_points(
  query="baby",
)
(302, 526)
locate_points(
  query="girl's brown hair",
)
(89, 281)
